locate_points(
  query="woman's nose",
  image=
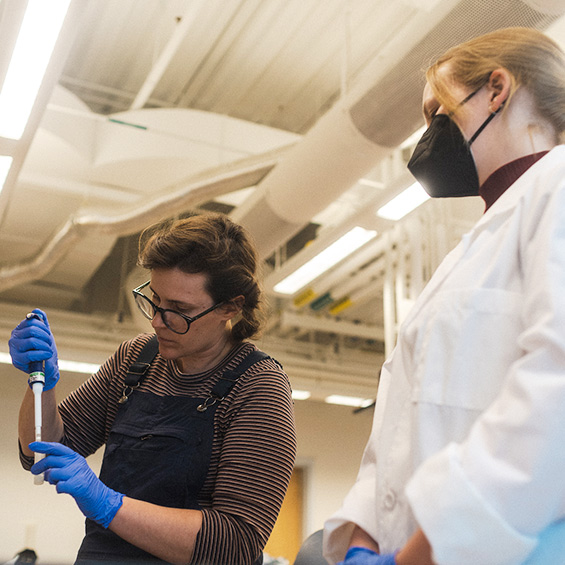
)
(157, 321)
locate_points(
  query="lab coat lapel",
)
(498, 212)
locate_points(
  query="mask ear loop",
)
(464, 101)
(485, 123)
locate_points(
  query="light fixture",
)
(404, 203)
(78, 367)
(354, 401)
(70, 366)
(301, 394)
(5, 164)
(325, 260)
(40, 28)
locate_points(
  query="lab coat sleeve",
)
(359, 506)
(491, 498)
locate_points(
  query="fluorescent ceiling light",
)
(301, 394)
(71, 366)
(404, 203)
(40, 28)
(355, 401)
(78, 367)
(325, 260)
(5, 164)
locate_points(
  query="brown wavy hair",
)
(216, 246)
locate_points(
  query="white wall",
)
(32, 516)
(330, 444)
(331, 440)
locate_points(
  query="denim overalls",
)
(158, 450)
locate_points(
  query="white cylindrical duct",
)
(329, 159)
(358, 131)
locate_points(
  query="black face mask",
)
(442, 161)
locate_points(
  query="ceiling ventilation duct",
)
(351, 138)
(200, 188)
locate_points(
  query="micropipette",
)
(37, 381)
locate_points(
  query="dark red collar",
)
(503, 178)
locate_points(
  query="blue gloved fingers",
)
(60, 465)
(32, 336)
(50, 463)
(43, 316)
(64, 479)
(29, 349)
(365, 556)
(57, 456)
(51, 448)
(36, 326)
(31, 341)
(32, 328)
(71, 474)
(26, 341)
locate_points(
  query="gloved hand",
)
(364, 556)
(71, 474)
(32, 340)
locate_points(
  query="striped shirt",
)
(253, 449)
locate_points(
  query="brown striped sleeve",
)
(252, 468)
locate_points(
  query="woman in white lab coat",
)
(466, 459)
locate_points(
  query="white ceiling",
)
(288, 114)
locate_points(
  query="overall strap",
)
(229, 378)
(138, 369)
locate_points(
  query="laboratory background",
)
(296, 118)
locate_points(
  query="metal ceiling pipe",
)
(339, 149)
(184, 24)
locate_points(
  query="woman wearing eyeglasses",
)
(200, 444)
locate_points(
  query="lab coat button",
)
(389, 501)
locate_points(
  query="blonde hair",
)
(533, 60)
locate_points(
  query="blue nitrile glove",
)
(364, 556)
(71, 474)
(32, 340)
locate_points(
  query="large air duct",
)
(330, 159)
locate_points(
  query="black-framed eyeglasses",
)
(175, 321)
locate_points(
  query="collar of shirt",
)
(505, 176)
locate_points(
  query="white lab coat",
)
(468, 439)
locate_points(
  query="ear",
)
(499, 85)
(233, 307)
